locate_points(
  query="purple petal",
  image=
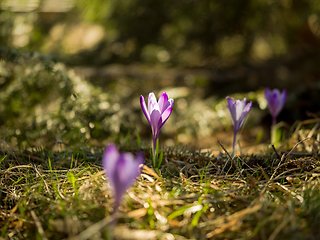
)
(154, 122)
(132, 169)
(239, 106)
(165, 115)
(230, 103)
(245, 111)
(167, 112)
(163, 101)
(120, 178)
(276, 101)
(144, 108)
(152, 103)
(139, 161)
(247, 108)
(109, 161)
(127, 170)
(171, 102)
(267, 94)
(231, 109)
(168, 104)
(283, 98)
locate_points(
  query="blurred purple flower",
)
(121, 170)
(276, 101)
(157, 113)
(238, 111)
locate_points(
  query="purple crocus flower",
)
(276, 101)
(121, 170)
(238, 111)
(157, 113)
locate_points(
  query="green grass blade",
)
(138, 138)
(160, 158)
(197, 216)
(178, 212)
(72, 181)
(3, 158)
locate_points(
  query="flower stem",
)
(273, 131)
(112, 224)
(154, 151)
(274, 120)
(234, 143)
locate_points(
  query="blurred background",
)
(72, 71)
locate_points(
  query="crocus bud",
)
(276, 101)
(121, 170)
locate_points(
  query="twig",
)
(38, 224)
(225, 149)
(279, 228)
(295, 146)
(236, 215)
(93, 229)
(275, 150)
(298, 154)
(45, 183)
(291, 192)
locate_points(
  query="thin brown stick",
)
(39, 174)
(275, 150)
(38, 224)
(279, 228)
(295, 146)
(93, 229)
(225, 149)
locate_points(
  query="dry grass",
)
(64, 195)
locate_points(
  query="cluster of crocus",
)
(238, 110)
(121, 170)
(157, 114)
(276, 101)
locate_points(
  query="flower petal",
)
(144, 108)
(231, 108)
(154, 122)
(276, 100)
(165, 115)
(127, 170)
(120, 177)
(152, 103)
(238, 110)
(131, 170)
(163, 101)
(239, 106)
(283, 98)
(230, 103)
(247, 108)
(267, 94)
(109, 161)
(245, 111)
(139, 161)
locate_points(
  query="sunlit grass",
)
(66, 195)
